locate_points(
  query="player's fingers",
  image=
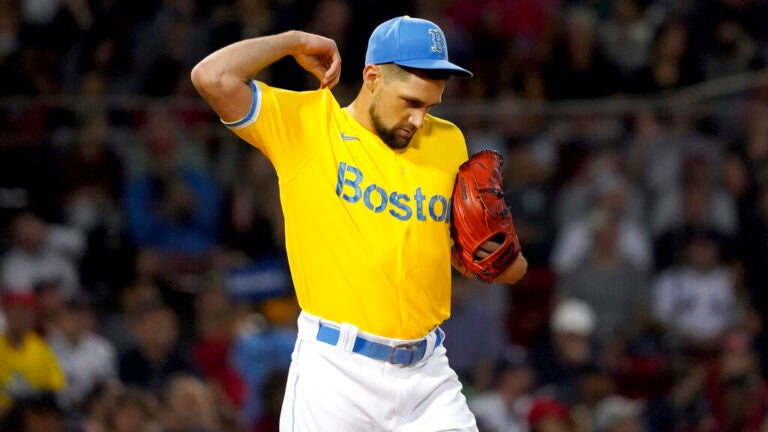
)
(486, 249)
(490, 246)
(333, 73)
(318, 71)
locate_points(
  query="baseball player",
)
(366, 194)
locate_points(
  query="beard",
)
(388, 135)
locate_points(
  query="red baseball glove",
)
(479, 216)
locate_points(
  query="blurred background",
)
(142, 271)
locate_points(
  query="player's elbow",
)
(210, 82)
(205, 80)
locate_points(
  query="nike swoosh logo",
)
(346, 137)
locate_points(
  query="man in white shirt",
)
(85, 356)
(41, 253)
(695, 300)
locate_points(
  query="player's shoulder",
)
(439, 122)
(448, 137)
(437, 126)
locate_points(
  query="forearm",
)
(242, 60)
(222, 77)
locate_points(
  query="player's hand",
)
(513, 273)
(486, 249)
(319, 56)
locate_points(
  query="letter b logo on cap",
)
(437, 40)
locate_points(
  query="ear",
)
(371, 75)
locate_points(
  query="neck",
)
(358, 109)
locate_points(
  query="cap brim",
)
(437, 65)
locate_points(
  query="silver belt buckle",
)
(408, 347)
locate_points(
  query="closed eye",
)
(416, 103)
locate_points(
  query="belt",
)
(403, 354)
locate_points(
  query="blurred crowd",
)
(125, 207)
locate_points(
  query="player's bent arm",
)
(222, 78)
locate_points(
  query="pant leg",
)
(334, 391)
(436, 400)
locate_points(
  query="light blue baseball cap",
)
(411, 42)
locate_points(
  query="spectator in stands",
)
(753, 141)
(701, 209)
(174, 208)
(263, 347)
(549, 415)
(577, 69)
(28, 365)
(695, 299)
(92, 178)
(215, 332)
(117, 326)
(615, 288)
(626, 37)
(611, 197)
(560, 361)
(86, 358)
(653, 156)
(41, 253)
(190, 405)
(698, 186)
(175, 279)
(530, 196)
(617, 413)
(12, 79)
(673, 63)
(253, 220)
(92, 175)
(753, 245)
(133, 410)
(35, 413)
(157, 354)
(273, 392)
(475, 310)
(92, 414)
(733, 50)
(596, 384)
(505, 406)
(739, 183)
(736, 392)
(50, 302)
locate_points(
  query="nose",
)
(417, 118)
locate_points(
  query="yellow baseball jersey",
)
(33, 367)
(367, 227)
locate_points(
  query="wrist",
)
(514, 272)
(293, 41)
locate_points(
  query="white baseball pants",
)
(330, 388)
